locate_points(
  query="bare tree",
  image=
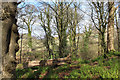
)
(74, 19)
(45, 21)
(27, 15)
(60, 10)
(101, 24)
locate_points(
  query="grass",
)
(96, 68)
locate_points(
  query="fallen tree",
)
(50, 62)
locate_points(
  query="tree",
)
(9, 38)
(28, 17)
(74, 30)
(110, 28)
(45, 21)
(101, 23)
(61, 28)
(73, 21)
(60, 11)
(64, 19)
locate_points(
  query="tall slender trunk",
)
(103, 43)
(118, 31)
(110, 28)
(99, 44)
(49, 34)
(48, 38)
(30, 38)
(78, 40)
(62, 31)
(21, 48)
(119, 40)
(74, 30)
(48, 45)
(118, 36)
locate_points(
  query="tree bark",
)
(110, 28)
(99, 44)
(9, 39)
(118, 31)
(62, 31)
(74, 30)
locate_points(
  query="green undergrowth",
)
(97, 68)
(107, 69)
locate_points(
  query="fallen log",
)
(50, 62)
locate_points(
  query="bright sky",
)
(37, 29)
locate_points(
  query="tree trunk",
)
(118, 39)
(74, 30)
(9, 39)
(30, 38)
(62, 31)
(21, 48)
(99, 44)
(103, 42)
(118, 30)
(110, 28)
(118, 36)
(48, 38)
(0, 45)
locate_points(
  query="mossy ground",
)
(98, 68)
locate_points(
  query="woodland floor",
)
(97, 68)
